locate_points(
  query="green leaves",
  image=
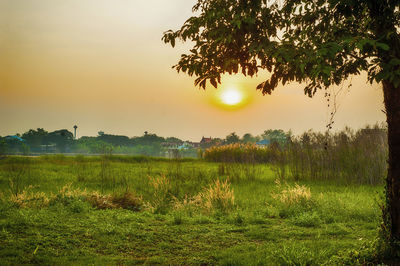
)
(389, 72)
(320, 42)
(382, 46)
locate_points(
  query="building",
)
(263, 143)
(14, 138)
(205, 140)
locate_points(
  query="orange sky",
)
(101, 64)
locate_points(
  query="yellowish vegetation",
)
(161, 192)
(30, 199)
(218, 196)
(68, 192)
(292, 194)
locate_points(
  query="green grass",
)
(261, 229)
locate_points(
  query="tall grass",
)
(18, 174)
(239, 153)
(356, 157)
(217, 197)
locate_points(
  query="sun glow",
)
(231, 97)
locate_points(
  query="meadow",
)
(138, 210)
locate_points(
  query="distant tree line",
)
(62, 141)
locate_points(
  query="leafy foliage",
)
(319, 42)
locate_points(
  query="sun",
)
(231, 97)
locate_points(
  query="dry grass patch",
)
(293, 194)
(291, 200)
(30, 199)
(161, 198)
(67, 194)
(219, 196)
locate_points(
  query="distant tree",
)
(62, 138)
(232, 138)
(35, 138)
(320, 43)
(115, 140)
(148, 144)
(275, 135)
(3, 147)
(148, 139)
(248, 138)
(173, 140)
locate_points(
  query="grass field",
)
(133, 210)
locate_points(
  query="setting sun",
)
(231, 96)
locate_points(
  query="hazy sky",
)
(101, 64)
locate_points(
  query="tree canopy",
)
(232, 138)
(320, 42)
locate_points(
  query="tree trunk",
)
(392, 105)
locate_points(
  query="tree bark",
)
(392, 105)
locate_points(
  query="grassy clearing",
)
(106, 210)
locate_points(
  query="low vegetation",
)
(123, 210)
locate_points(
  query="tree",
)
(232, 138)
(320, 43)
(35, 138)
(275, 135)
(62, 138)
(115, 140)
(3, 147)
(248, 138)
